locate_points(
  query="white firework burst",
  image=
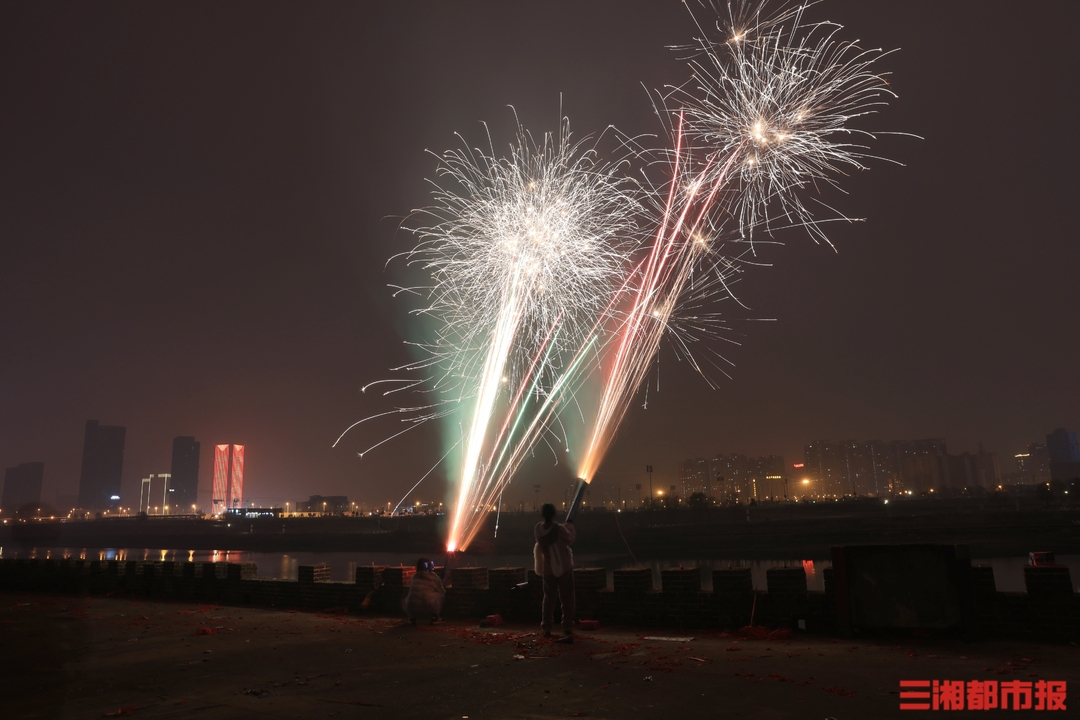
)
(546, 229)
(779, 94)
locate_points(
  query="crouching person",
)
(426, 593)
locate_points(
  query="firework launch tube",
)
(578, 495)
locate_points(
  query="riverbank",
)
(93, 657)
(881, 586)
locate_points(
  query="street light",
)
(164, 491)
(145, 487)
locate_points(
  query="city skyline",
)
(194, 251)
(759, 476)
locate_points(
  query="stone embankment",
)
(1049, 609)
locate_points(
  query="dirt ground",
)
(64, 657)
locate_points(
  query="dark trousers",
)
(564, 586)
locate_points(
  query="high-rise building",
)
(874, 467)
(1064, 454)
(964, 471)
(1062, 446)
(22, 487)
(1034, 464)
(735, 478)
(694, 476)
(923, 464)
(886, 467)
(857, 467)
(102, 466)
(184, 483)
(228, 478)
(826, 464)
(730, 479)
(767, 474)
(986, 469)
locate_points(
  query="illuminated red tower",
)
(228, 478)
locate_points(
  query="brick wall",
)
(469, 577)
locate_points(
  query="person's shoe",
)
(546, 633)
(566, 640)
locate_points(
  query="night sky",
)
(197, 202)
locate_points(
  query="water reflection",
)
(289, 568)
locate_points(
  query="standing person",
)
(426, 593)
(555, 564)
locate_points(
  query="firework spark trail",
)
(514, 447)
(667, 270)
(764, 107)
(482, 484)
(490, 379)
(780, 92)
(524, 257)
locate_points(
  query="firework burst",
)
(538, 238)
(524, 255)
(779, 95)
(765, 119)
(540, 281)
